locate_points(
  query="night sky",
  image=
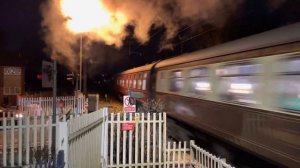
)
(21, 43)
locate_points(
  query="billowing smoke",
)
(106, 21)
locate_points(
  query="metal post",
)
(80, 69)
(54, 111)
(84, 64)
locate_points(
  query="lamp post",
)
(80, 66)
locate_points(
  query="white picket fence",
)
(145, 144)
(31, 106)
(21, 137)
(103, 140)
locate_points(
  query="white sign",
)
(128, 104)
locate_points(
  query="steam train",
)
(245, 92)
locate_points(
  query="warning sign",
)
(128, 104)
(127, 126)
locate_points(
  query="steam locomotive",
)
(245, 92)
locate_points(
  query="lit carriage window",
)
(288, 85)
(290, 65)
(130, 83)
(176, 82)
(134, 83)
(139, 84)
(199, 81)
(288, 88)
(144, 84)
(139, 81)
(239, 83)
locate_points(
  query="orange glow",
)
(91, 17)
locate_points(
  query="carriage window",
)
(288, 85)
(289, 92)
(241, 69)
(130, 83)
(139, 84)
(144, 82)
(199, 81)
(199, 72)
(176, 81)
(238, 83)
(239, 89)
(291, 65)
(200, 86)
(134, 83)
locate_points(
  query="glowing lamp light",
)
(242, 88)
(205, 86)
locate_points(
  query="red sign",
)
(128, 126)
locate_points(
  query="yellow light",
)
(242, 88)
(91, 17)
(205, 86)
(84, 16)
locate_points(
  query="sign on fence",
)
(128, 104)
(128, 126)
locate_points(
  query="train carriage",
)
(245, 92)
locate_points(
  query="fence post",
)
(62, 145)
(192, 142)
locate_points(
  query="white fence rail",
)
(32, 106)
(21, 137)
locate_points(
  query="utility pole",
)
(54, 111)
(80, 69)
(84, 76)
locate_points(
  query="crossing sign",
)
(128, 104)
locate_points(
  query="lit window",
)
(288, 85)
(134, 83)
(144, 84)
(238, 83)
(130, 84)
(176, 82)
(199, 82)
(139, 84)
